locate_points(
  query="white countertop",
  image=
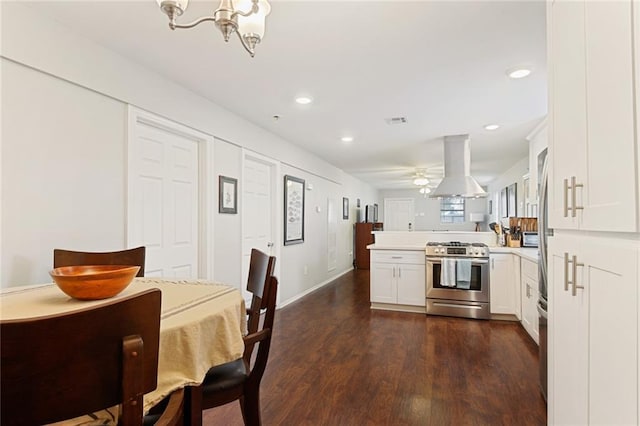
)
(526, 252)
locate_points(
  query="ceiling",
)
(442, 65)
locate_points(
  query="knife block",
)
(512, 242)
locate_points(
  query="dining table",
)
(202, 324)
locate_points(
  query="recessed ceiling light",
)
(347, 139)
(304, 100)
(518, 72)
(491, 127)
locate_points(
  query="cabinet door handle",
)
(575, 262)
(565, 198)
(566, 271)
(528, 291)
(575, 185)
(399, 272)
(396, 257)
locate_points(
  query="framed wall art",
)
(345, 208)
(513, 199)
(504, 203)
(227, 195)
(293, 210)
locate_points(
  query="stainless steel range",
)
(457, 276)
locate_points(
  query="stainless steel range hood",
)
(457, 181)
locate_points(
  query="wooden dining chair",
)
(240, 379)
(133, 257)
(82, 363)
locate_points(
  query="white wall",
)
(427, 211)
(538, 141)
(514, 174)
(227, 246)
(63, 172)
(63, 176)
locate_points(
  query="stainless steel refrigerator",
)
(543, 233)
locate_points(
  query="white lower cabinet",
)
(504, 290)
(529, 297)
(593, 330)
(398, 277)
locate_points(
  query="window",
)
(452, 210)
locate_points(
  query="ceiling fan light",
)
(420, 181)
(425, 190)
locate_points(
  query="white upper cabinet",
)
(592, 175)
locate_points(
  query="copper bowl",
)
(93, 282)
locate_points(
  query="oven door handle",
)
(473, 262)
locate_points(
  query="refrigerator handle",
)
(542, 220)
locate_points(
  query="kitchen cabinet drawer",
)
(529, 269)
(398, 256)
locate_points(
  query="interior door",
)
(163, 202)
(258, 212)
(332, 235)
(398, 214)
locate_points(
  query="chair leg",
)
(250, 405)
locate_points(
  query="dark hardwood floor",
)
(334, 361)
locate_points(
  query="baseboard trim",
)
(312, 289)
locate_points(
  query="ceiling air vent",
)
(396, 120)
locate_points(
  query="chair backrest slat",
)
(133, 257)
(264, 345)
(261, 267)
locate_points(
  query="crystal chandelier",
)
(246, 18)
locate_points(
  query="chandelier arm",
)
(193, 24)
(254, 9)
(245, 45)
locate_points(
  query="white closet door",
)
(258, 226)
(398, 214)
(163, 195)
(332, 235)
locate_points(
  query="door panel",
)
(612, 280)
(411, 284)
(398, 214)
(568, 132)
(163, 203)
(258, 226)
(568, 341)
(383, 283)
(332, 235)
